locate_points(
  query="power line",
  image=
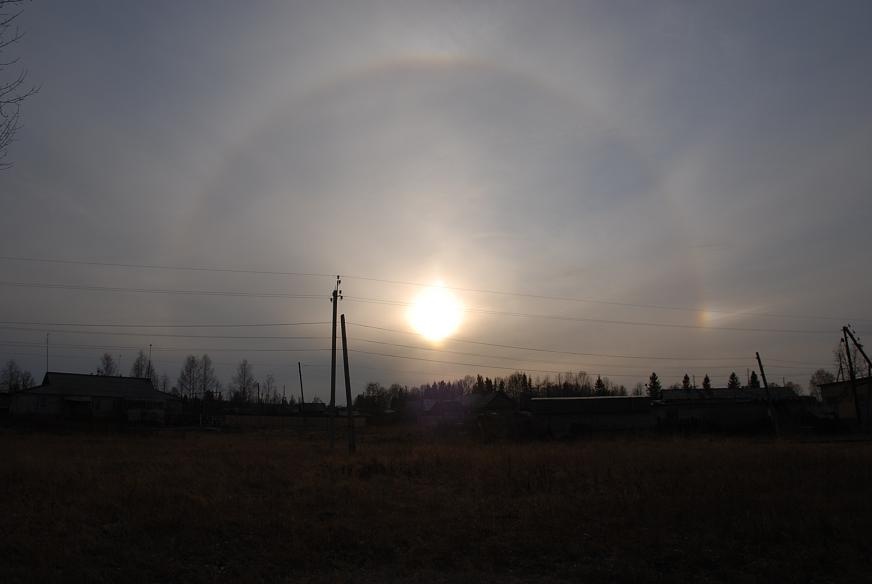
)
(485, 366)
(524, 360)
(604, 320)
(561, 352)
(424, 285)
(163, 349)
(165, 267)
(388, 302)
(167, 325)
(167, 335)
(184, 292)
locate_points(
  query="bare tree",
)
(164, 383)
(818, 378)
(142, 367)
(243, 382)
(189, 377)
(210, 386)
(270, 388)
(13, 87)
(107, 365)
(13, 378)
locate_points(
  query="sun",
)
(435, 313)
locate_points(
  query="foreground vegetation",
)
(276, 507)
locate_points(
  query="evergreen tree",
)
(706, 382)
(733, 382)
(685, 383)
(754, 381)
(654, 387)
(599, 388)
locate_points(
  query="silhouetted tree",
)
(243, 382)
(107, 365)
(840, 361)
(164, 383)
(639, 388)
(654, 387)
(685, 383)
(142, 366)
(210, 385)
(13, 378)
(818, 378)
(599, 387)
(189, 377)
(733, 382)
(12, 86)
(706, 382)
(754, 382)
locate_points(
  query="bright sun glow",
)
(436, 313)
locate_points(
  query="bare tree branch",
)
(12, 92)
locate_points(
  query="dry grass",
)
(254, 507)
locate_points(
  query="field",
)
(173, 506)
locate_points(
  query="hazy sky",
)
(712, 157)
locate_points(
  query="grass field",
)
(177, 506)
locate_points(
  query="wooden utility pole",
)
(851, 374)
(302, 399)
(859, 346)
(769, 406)
(334, 299)
(351, 445)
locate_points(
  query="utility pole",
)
(772, 414)
(148, 370)
(851, 374)
(302, 399)
(334, 299)
(46, 352)
(351, 445)
(859, 346)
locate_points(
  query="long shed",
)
(76, 396)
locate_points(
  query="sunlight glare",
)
(435, 313)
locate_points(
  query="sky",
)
(615, 182)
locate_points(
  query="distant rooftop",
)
(79, 384)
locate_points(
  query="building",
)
(838, 398)
(729, 409)
(568, 416)
(74, 396)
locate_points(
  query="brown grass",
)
(256, 507)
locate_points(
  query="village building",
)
(838, 398)
(81, 397)
(569, 416)
(748, 408)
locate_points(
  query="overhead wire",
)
(491, 291)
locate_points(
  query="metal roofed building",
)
(75, 396)
(566, 416)
(838, 398)
(753, 409)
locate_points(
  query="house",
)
(493, 402)
(493, 414)
(751, 409)
(838, 398)
(74, 396)
(567, 416)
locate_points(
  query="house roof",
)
(743, 394)
(77, 384)
(839, 389)
(487, 401)
(589, 405)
